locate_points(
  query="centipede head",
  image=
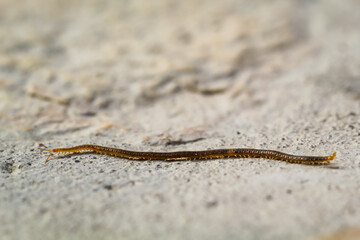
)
(51, 151)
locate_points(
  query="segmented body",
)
(195, 155)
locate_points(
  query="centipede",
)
(192, 155)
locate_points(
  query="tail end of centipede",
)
(333, 156)
(51, 151)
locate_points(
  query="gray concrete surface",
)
(179, 75)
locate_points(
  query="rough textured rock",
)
(178, 75)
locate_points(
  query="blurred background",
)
(168, 75)
(165, 66)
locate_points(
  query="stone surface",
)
(178, 75)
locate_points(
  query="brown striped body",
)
(195, 155)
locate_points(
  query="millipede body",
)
(194, 155)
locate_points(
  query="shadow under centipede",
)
(72, 154)
(333, 166)
(135, 160)
(330, 166)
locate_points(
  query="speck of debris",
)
(8, 167)
(211, 204)
(108, 187)
(269, 197)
